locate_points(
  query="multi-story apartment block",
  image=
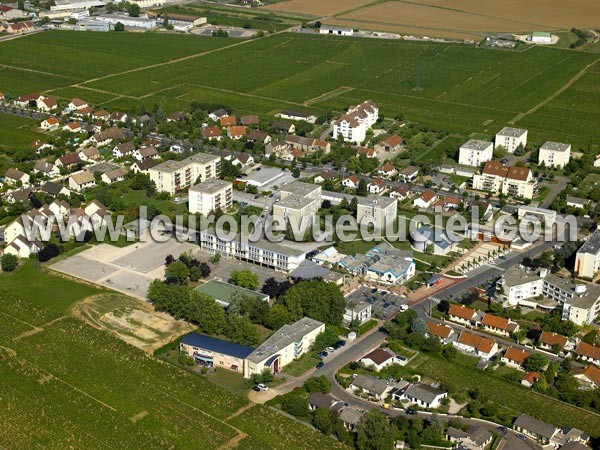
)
(209, 196)
(380, 210)
(555, 154)
(475, 153)
(354, 124)
(498, 178)
(299, 202)
(545, 291)
(587, 259)
(510, 138)
(174, 176)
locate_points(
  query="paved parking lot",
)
(149, 257)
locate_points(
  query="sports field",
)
(64, 384)
(467, 19)
(451, 87)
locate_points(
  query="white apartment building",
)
(587, 259)
(510, 138)
(547, 216)
(298, 211)
(554, 154)
(542, 290)
(288, 343)
(475, 153)
(173, 176)
(354, 124)
(380, 211)
(509, 180)
(209, 196)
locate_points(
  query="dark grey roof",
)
(456, 433)
(535, 426)
(308, 270)
(52, 188)
(423, 392)
(370, 384)
(217, 345)
(479, 434)
(320, 400)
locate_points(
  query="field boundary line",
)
(330, 94)
(566, 86)
(242, 410)
(41, 72)
(234, 442)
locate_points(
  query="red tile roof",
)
(553, 339)
(495, 322)
(461, 311)
(437, 329)
(378, 356)
(590, 351)
(480, 343)
(517, 355)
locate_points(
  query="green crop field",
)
(64, 384)
(462, 89)
(17, 132)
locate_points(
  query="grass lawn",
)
(232, 381)
(41, 288)
(18, 132)
(353, 247)
(301, 365)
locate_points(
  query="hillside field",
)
(64, 384)
(461, 89)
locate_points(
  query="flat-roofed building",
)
(209, 196)
(296, 211)
(587, 259)
(288, 343)
(173, 176)
(223, 293)
(511, 138)
(213, 352)
(475, 152)
(554, 154)
(378, 210)
(546, 216)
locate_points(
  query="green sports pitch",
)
(458, 88)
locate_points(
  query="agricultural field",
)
(449, 87)
(17, 132)
(463, 19)
(59, 376)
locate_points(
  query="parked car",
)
(522, 437)
(256, 388)
(323, 354)
(501, 430)
(330, 349)
(341, 342)
(320, 364)
(262, 387)
(411, 411)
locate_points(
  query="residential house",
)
(443, 332)
(20, 27)
(374, 387)
(529, 379)
(178, 116)
(216, 115)
(27, 100)
(73, 127)
(353, 125)
(475, 153)
(50, 124)
(243, 160)
(321, 400)
(380, 358)
(39, 146)
(462, 314)
(476, 437)
(77, 104)
(401, 192)
(118, 117)
(211, 133)
(357, 311)
(14, 176)
(554, 154)
(282, 126)
(515, 357)
(328, 175)
(426, 199)
(54, 189)
(79, 181)
(236, 132)
(249, 120)
(588, 352)
(68, 160)
(19, 195)
(113, 176)
(390, 144)
(576, 202)
(351, 182)
(142, 166)
(106, 137)
(146, 152)
(376, 186)
(549, 341)
(227, 121)
(588, 377)
(101, 114)
(45, 168)
(367, 152)
(7, 13)
(540, 431)
(499, 325)
(351, 417)
(387, 170)
(258, 136)
(482, 347)
(123, 150)
(424, 395)
(47, 104)
(22, 248)
(297, 115)
(89, 154)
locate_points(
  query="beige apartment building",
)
(508, 180)
(174, 176)
(555, 154)
(510, 138)
(380, 210)
(209, 196)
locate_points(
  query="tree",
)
(296, 406)
(418, 326)
(324, 420)
(195, 274)
(277, 316)
(245, 279)
(48, 252)
(318, 384)
(119, 26)
(317, 300)
(325, 339)
(133, 9)
(535, 363)
(177, 272)
(215, 258)
(374, 432)
(444, 306)
(9, 262)
(362, 188)
(21, 5)
(204, 270)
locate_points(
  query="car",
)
(256, 388)
(330, 349)
(373, 290)
(522, 437)
(411, 412)
(256, 196)
(320, 364)
(341, 342)
(501, 429)
(403, 307)
(262, 387)
(386, 305)
(324, 354)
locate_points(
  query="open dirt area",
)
(465, 19)
(134, 321)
